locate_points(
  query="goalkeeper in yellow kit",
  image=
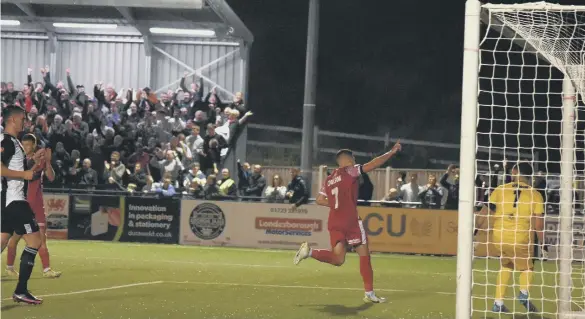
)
(517, 210)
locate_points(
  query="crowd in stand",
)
(174, 142)
(444, 193)
(133, 139)
(435, 194)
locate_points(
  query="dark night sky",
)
(384, 66)
(397, 60)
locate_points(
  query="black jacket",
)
(366, 190)
(453, 189)
(431, 198)
(256, 185)
(243, 178)
(300, 191)
(87, 177)
(138, 178)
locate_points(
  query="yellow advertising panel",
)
(404, 230)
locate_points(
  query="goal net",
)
(523, 93)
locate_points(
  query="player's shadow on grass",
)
(340, 310)
(8, 307)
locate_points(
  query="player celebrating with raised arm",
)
(35, 200)
(17, 215)
(517, 211)
(340, 194)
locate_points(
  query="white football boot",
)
(303, 253)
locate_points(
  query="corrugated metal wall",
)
(18, 54)
(225, 73)
(119, 61)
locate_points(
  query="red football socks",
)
(44, 254)
(367, 273)
(323, 255)
(10, 255)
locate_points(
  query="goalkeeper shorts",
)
(516, 256)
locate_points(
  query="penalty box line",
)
(79, 292)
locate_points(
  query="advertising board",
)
(260, 225)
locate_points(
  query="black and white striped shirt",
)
(14, 158)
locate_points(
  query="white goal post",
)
(523, 85)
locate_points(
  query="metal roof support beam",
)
(237, 28)
(196, 71)
(53, 46)
(148, 60)
(244, 68)
(146, 36)
(27, 9)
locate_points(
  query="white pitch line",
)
(98, 289)
(300, 287)
(234, 264)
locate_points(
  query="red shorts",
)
(39, 210)
(353, 236)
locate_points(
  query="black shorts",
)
(19, 218)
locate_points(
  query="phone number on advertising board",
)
(285, 210)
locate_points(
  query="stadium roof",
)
(132, 17)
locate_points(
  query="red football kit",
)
(341, 189)
(34, 193)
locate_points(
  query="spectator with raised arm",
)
(77, 92)
(196, 88)
(169, 164)
(257, 183)
(243, 176)
(450, 181)
(235, 123)
(409, 193)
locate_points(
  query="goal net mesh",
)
(525, 52)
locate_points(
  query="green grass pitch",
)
(117, 280)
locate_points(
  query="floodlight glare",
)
(9, 22)
(85, 25)
(189, 32)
